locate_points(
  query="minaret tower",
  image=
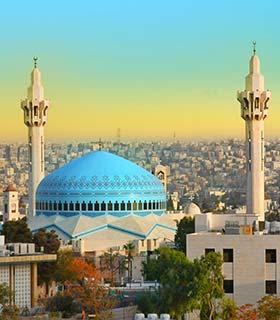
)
(254, 109)
(35, 109)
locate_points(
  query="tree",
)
(16, 231)
(148, 302)
(186, 285)
(63, 303)
(269, 308)
(227, 309)
(129, 250)
(110, 263)
(62, 271)
(246, 312)
(184, 227)
(88, 290)
(46, 270)
(208, 281)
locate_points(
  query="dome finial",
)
(254, 47)
(35, 61)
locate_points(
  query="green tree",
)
(5, 294)
(227, 309)
(184, 227)
(49, 240)
(269, 308)
(148, 302)
(62, 271)
(16, 231)
(208, 282)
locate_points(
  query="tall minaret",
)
(254, 109)
(35, 109)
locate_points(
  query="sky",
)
(148, 67)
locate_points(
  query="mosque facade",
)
(98, 201)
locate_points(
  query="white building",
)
(11, 204)
(250, 247)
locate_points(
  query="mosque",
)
(97, 201)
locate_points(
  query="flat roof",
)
(28, 258)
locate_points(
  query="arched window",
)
(103, 206)
(157, 205)
(122, 206)
(55, 206)
(65, 206)
(145, 205)
(116, 206)
(46, 206)
(77, 206)
(50, 206)
(59, 206)
(154, 205)
(84, 206)
(90, 206)
(128, 205)
(134, 205)
(71, 206)
(140, 206)
(110, 206)
(163, 205)
(96, 206)
(150, 205)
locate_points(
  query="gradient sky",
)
(150, 67)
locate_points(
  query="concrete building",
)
(250, 247)
(18, 269)
(35, 108)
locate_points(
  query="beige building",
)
(18, 269)
(11, 204)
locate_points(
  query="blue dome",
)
(100, 183)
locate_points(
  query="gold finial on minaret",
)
(254, 47)
(35, 61)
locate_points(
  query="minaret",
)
(35, 109)
(254, 109)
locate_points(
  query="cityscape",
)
(139, 160)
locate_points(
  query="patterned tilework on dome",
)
(100, 183)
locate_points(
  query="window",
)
(110, 206)
(77, 206)
(123, 206)
(140, 205)
(150, 205)
(59, 206)
(145, 205)
(270, 287)
(270, 255)
(90, 206)
(116, 206)
(50, 205)
(208, 250)
(228, 286)
(154, 205)
(157, 205)
(71, 206)
(103, 206)
(65, 206)
(55, 206)
(228, 255)
(128, 205)
(96, 206)
(84, 206)
(134, 205)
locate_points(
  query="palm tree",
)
(129, 250)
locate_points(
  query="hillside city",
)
(204, 171)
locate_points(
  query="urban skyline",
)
(180, 76)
